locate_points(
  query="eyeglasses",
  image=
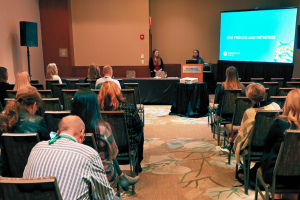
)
(84, 134)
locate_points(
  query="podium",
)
(192, 70)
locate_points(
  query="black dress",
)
(152, 66)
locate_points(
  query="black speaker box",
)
(298, 37)
(28, 34)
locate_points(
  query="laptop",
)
(191, 62)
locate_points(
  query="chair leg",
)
(236, 171)
(229, 157)
(256, 189)
(246, 171)
(219, 133)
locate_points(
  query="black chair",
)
(68, 96)
(50, 104)
(38, 86)
(212, 107)
(96, 91)
(280, 81)
(246, 83)
(92, 82)
(34, 82)
(46, 93)
(293, 84)
(295, 79)
(257, 80)
(11, 94)
(280, 100)
(57, 91)
(71, 83)
(53, 117)
(45, 188)
(89, 140)
(121, 83)
(82, 86)
(17, 148)
(118, 123)
(129, 94)
(12, 86)
(284, 91)
(273, 88)
(1, 108)
(50, 82)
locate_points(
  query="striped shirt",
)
(78, 168)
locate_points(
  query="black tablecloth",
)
(190, 99)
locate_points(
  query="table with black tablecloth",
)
(190, 100)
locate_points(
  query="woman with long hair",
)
(93, 72)
(52, 72)
(85, 105)
(111, 99)
(4, 86)
(18, 116)
(196, 56)
(22, 80)
(156, 63)
(232, 83)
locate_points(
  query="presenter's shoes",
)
(125, 181)
(227, 148)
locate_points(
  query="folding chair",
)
(46, 93)
(293, 84)
(50, 104)
(284, 91)
(92, 82)
(272, 87)
(68, 95)
(82, 86)
(38, 86)
(57, 91)
(71, 83)
(11, 94)
(257, 80)
(130, 96)
(34, 82)
(53, 117)
(50, 82)
(280, 100)
(213, 107)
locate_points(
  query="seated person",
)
(84, 101)
(4, 86)
(196, 56)
(111, 99)
(22, 79)
(52, 73)
(93, 72)
(290, 119)
(156, 63)
(108, 73)
(256, 93)
(18, 117)
(77, 167)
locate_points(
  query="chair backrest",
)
(45, 188)
(279, 80)
(6, 100)
(267, 96)
(130, 96)
(12, 86)
(34, 82)
(117, 121)
(92, 83)
(273, 86)
(11, 94)
(1, 108)
(38, 86)
(53, 117)
(241, 105)
(228, 103)
(218, 85)
(68, 95)
(49, 84)
(136, 88)
(130, 74)
(46, 93)
(50, 104)
(121, 83)
(257, 80)
(18, 147)
(263, 121)
(292, 84)
(280, 100)
(284, 91)
(82, 86)
(71, 83)
(295, 79)
(89, 140)
(288, 160)
(96, 91)
(57, 91)
(246, 83)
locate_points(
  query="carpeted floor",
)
(182, 161)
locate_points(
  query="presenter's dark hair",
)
(85, 105)
(197, 51)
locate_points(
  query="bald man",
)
(108, 73)
(78, 168)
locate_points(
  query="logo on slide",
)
(225, 53)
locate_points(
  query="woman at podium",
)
(197, 57)
(155, 63)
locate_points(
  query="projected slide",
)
(259, 36)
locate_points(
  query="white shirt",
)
(55, 77)
(107, 78)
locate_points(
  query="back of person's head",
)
(22, 80)
(107, 69)
(110, 95)
(73, 125)
(92, 71)
(26, 96)
(256, 92)
(3, 77)
(98, 70)
(232, 79)
(291, 108)
(85, 105)
(51, 70)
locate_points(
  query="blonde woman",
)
(52, 73)
(22, 80)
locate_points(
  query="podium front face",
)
(192, 70)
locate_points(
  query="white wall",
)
(12, 55)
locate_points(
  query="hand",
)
(160, 70)
(154, 70)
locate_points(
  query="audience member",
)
(22, 80)
(111, 99)
(4, 86)
(108, 73)
(156, 63)
(290, 119)
(84, 101)
(93, 72)
(196, 56)
(18, 116)
(52, 73)
(77, 167)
